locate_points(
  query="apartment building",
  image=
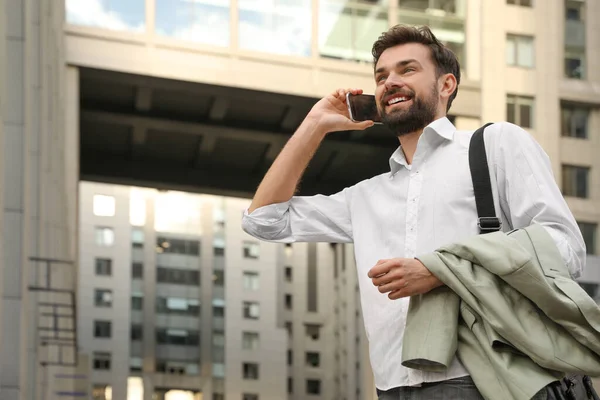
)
(175, 298)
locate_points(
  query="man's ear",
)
(447, 85)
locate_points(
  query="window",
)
(137, 270)
(288, 301)
(290, 357)
(574, 10)
(447, 6)
(290, 328)
(588, 231)
(523, 3)
(103, 267)
(290, 385)
(218, 311)
(519, 110)
(251, 250)
(218, 339)
(218, 347)
(313, 386)
(218, 396)
(312, 331)
(219, 278)
(101, 360)
(137, 237)
(575, 64)
(103, 298)
(575, 181)
(250, 340)
(102, 329)
(175, 367)
(101, 392)
(247, 396)
(574, 121)
(288, 274)
(177, 306)
(219, 247)
(313, 359)
(177, 337)
(177, 246)
(137, 301)
(218, 370)
(137, 332)
(250, 280)
(135, 364)
(251, 310)
(105, 237)
(104, 206)
(177, 276)
(520, 51)
(250, 370)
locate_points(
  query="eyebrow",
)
(399, 64)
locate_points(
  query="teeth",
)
(397, 100)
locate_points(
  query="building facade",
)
(174, 297)
(535, 68)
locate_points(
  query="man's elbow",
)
(267, 230)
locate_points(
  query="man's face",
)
(406, 93)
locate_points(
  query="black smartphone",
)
(362, 107)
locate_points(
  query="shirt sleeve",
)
(316, 218)
(528, 192)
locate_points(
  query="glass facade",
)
(117, 15)
(346, 29)
(199, 21)
(275, 26)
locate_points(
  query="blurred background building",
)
(102, 97)
(175, 298)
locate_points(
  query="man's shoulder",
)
(496, 134)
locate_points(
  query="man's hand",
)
(403, 277)
(331, 113)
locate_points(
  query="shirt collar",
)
(441, 126)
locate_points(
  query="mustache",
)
(403, 92)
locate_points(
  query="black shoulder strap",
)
(487, 221)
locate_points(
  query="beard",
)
(421, 112)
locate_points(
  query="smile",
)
(396, 100)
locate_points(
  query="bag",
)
(571, 387)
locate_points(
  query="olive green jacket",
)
(509, 311)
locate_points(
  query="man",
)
(424, 202)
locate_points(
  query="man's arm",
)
(275, 214)
(328, 114)
(528, 192)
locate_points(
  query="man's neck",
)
(408, 142)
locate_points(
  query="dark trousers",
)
(459, 388)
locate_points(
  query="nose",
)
(393, 81)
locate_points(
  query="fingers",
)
(361, 126)
(382, 267)
(398, 294)
(393, 286)
(341, 93)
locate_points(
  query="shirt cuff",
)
(271, 213)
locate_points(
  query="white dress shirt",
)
(415, 209)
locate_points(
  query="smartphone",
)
(362, 107)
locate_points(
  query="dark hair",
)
(443, 58)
